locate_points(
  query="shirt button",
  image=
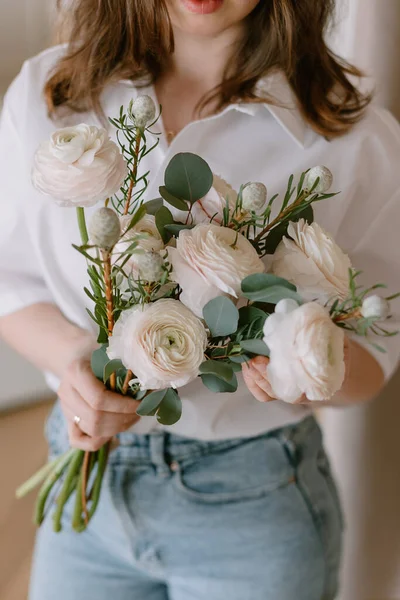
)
(174, 466)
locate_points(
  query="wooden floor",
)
(22, 452)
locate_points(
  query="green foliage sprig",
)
(133, 142)
(347, 313)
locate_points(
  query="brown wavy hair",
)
(109, 40)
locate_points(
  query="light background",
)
(364, 441)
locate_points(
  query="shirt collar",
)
(285, 111)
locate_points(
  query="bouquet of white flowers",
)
(194, 284)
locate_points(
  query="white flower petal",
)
(79, 166)
(313, 262)
(306, 353)
(162, 343)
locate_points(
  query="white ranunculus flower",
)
(313, 262)
(79, 166)
(375, 307)
(162, 343)
(211, 261)
(211, 206)
(148, 239)
(306, 353)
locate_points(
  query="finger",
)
(303, 400)
(80, 440)
(96, 394)
(95, 423)
(260, 363)
(255, 389)
(261, 379)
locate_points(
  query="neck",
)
(202, 61)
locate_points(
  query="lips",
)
(203, 7)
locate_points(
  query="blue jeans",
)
(181, 519)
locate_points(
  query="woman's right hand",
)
(102, 413)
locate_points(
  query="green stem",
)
(49, 483)
(57, 524)
(72, 471)
(101, 467)
(80, 212)
(37, 478)
(78, 522)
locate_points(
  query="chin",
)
(207, 18)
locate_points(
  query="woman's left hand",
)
(256, 379)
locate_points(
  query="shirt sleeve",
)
(377, 255)
(21, 282)
(370, 226)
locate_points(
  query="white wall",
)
(24, 31)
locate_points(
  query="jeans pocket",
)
(246, 472)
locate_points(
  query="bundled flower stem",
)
(109, 301)
(125, 388)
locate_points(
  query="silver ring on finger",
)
(77, 420)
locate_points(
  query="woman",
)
(237, 499)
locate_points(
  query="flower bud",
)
(143, 111)
(375, 307)
(325, 180)
(254, 196)
(105, 228)
(150, 266)
(286, 306)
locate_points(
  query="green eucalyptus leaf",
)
(176, 228)
(305, 212)
(99, 361)
(240, 359)
(236, 367)
(262, 281)
(221, 316)
(170, 410)
(276, 234)
(275, 237)
(111, 367)
(249, 314)
(164, 217)
(188, 176)
(153, 205)
(151, 402)
(257, 347)
(173, 200)
(219, 369)
(273, 295)
(218, 386)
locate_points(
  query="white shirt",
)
(243, 143)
